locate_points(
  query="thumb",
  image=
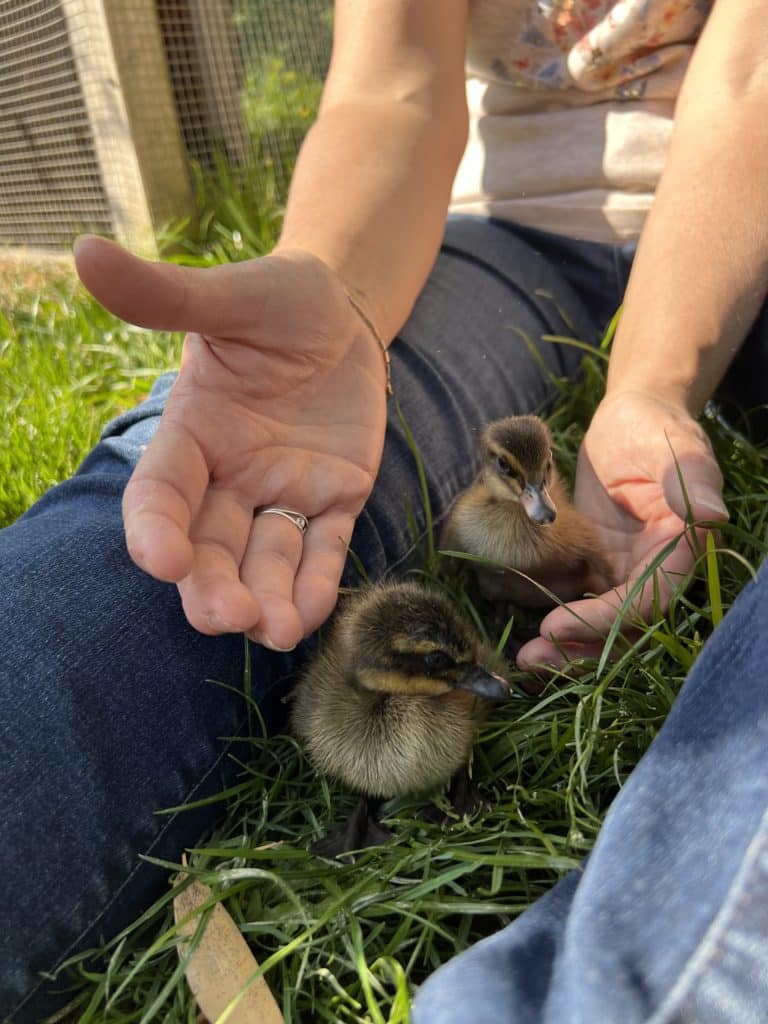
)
(695, 476)
(164, 296)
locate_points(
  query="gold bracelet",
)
(369, 324)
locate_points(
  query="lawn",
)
(348, 942)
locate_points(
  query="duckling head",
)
(409, 640)
(517, 465)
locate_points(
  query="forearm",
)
(701, 271)
(369, 197)
(372, 184)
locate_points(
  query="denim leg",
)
(669, 919)
(108, 711)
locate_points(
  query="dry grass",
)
(31, 271)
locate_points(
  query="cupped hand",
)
(628, 481)
(279, 401)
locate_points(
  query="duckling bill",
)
(517, 514)
(391, 703)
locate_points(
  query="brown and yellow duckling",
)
(517, 513)
(392, 701)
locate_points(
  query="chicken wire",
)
(246, 75)
(50, 182)
(105, 104)
(284, 48)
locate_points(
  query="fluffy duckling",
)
(517, 513)
(392, 701)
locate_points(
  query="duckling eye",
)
(502, 465)
(438, 661)
(506, 470)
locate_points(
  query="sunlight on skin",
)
(630, 465)
(252, 421)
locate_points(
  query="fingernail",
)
(220, 625)
(553, 663)
(265, 641)
(710, 501)
(133, 545)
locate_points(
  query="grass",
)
(348, 942)
(65, 367)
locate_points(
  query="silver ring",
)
(299, 520)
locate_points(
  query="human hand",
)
(628, 484)
(280, 400)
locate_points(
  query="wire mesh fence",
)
(106, 104)
(49, 173)
(285, 46)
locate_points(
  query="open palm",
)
(628, 481)
(279, 401)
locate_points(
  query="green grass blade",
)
(713, 582)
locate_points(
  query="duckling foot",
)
(464, 798)
(361, 831)
(464, 795)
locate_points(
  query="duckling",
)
(517, 513)
(392, 701)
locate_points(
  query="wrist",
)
(678, 395)
(371, 328)
(349, 303)
(677, 358)
(639, 366)
(355, 299)
(649, 404)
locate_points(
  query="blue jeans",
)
(110, 707)
(668, 921)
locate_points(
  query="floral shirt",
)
(571, 105)
(588, 44)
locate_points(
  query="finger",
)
(590, 619)
(167, 297)
(697, 477)
(542, 655)
(268, 570)
(326, 545)
(160, 501)
(632, 603)
(214, 598)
